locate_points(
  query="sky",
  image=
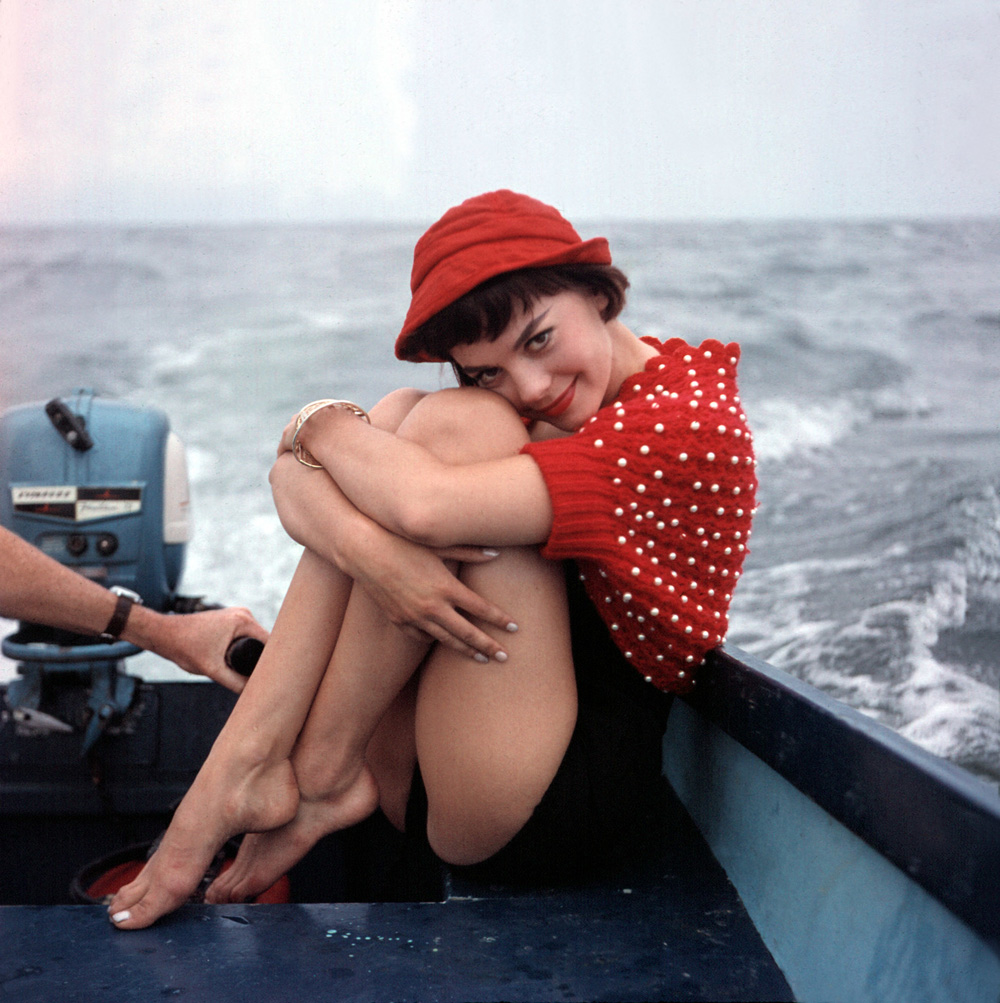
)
(145, 112)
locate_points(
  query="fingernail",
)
(512, 627)
(501, 656)
(120, 917)
(480, 657)
(491, 553)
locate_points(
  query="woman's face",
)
(553, 362)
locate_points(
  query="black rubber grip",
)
(243, 654)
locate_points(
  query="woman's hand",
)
(419, 593)
(411, 584)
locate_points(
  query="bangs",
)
(486, 311)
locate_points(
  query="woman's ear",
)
(603, 305)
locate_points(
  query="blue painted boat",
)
(810, 854)
(801, 851)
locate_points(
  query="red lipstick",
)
(561, 403)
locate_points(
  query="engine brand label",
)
(79, 504)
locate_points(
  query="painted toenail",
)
(120, 917)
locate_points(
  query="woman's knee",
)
(462, 425)
(458, 840)
(391, 411)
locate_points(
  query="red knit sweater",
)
(653, 497)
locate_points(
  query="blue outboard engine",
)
(102, 487)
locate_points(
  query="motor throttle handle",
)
(243, 653)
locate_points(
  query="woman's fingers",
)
(419, 592)
(464, 599)
(467, 555)
(477, 606)
(440, 620)
(466, 632)
(465, 638)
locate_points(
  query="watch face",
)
(120, 590)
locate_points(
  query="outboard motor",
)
(102, 487)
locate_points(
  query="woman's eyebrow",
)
(530, 328)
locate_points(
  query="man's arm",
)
(36, 588)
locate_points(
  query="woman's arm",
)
(410, 583)
(407, 490)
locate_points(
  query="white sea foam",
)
(322, 320)
(7, 667)
(952, 715)
(783, 427)
(879, 658)
(169, 361)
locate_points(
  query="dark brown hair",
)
(485, 311)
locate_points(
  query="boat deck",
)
(800, 844)
(670, 928)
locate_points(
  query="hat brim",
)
(428, 299)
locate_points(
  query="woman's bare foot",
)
(225, 799)
(265, 857)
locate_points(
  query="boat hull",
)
(806, 852)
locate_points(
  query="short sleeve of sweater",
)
(657, 491)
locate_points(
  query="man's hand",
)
(197, 642)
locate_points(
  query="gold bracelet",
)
(298, 450)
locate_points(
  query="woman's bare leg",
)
(490, 738)
(371, 664)
(489, 743)
(247, 783)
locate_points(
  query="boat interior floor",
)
(666, 924)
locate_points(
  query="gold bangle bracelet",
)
(298, 450)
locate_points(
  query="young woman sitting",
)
(500, 581)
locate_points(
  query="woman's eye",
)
(486, 377)
(539, 341)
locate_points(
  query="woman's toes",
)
(146, 911)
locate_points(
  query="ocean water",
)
(870, 372)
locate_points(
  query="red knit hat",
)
(486, 236)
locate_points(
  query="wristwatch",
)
(126, 600)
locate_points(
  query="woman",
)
(628, 458)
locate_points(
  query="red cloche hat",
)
(486, 236)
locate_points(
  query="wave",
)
(782, 428)
(795, 266)
(785, 428)
(703, 287)
(884, 662)
(915, 643)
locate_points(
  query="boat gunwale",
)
(934, 821)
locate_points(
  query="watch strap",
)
(119, 618)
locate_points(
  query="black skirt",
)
(608, 788)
